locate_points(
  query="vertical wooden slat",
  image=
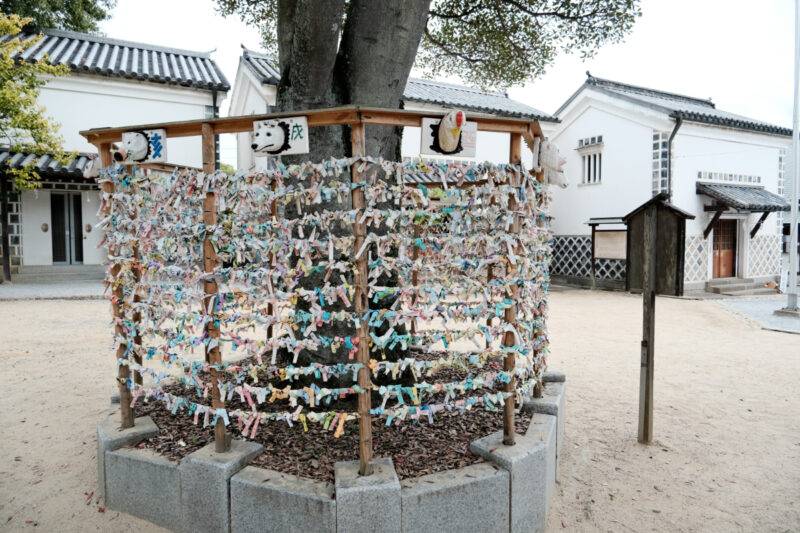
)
(125, 410)
(648, 327)
(538, 387)
(509, 363)
(210, 263)
(362, 306)
(270, 306)
(415, 276)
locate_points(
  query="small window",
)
(592, 168)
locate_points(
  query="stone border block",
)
(553, 376)
(205, 484)
(543, 428)
(265, 500)
(144, 484)
(367, 503)
(110, 437)
(553, 402)
(470, 499)
(527, 463)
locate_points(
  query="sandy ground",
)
(727, 418)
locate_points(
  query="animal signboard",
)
(144, 146)
(282, 136)
(451, 135)
(547, 156)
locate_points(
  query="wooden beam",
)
(710, 226)
(210, 263)
(757, 227)
(509, 361)
(358, 146)
(713, 208)
(316, 117)
(646, 372)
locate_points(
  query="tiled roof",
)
(261, 66)
(46, 166)
(677, 106)
(424, 91)
(468, 98)
(744, 197)
(92, 54)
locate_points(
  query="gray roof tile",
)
(93, 54)
(677, 106)
(419, 90)
(46, 166)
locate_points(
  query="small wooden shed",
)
(670, 244)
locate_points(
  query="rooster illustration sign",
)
(283, 136)
(450, 135)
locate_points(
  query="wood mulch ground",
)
(416, 449)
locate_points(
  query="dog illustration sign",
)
(144, 146)
(280, 136)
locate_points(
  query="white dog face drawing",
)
(134, 148)
(271, 137)
(92, 168)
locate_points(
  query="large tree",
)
(361, 52)
(75, 15)
(338, 52)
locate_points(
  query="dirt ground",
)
(727, 418)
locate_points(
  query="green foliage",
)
(227, 169)
(23, 124)
(75, 15)
(488, 43)
(493, 43)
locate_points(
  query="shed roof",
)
(94, 54)
(688, 108)
(744, 197)
(662, 200)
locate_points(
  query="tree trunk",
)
(368, 66)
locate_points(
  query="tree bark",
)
(365, 61)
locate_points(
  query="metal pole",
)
(791, 289)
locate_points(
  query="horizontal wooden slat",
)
(316, 118)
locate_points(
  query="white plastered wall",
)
(37, 245)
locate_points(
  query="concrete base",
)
(219, 492)
(268, 501)
(531, 465)
(553, 402)
(146, 485)
(788, 312)
(470, 499)
(367, 503)
(111, 437)
(205, 484)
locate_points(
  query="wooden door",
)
(725, 249)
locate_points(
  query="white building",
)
(255, 91)
(624, 144)
(112, 83)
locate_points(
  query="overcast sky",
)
(737, 52)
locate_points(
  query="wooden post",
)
(538, 387)
(415, 275)
(649, 322)
(509, 362)
(124, 372)
(5, 191)
(270, 306)
(210, 263)
(358, 145)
